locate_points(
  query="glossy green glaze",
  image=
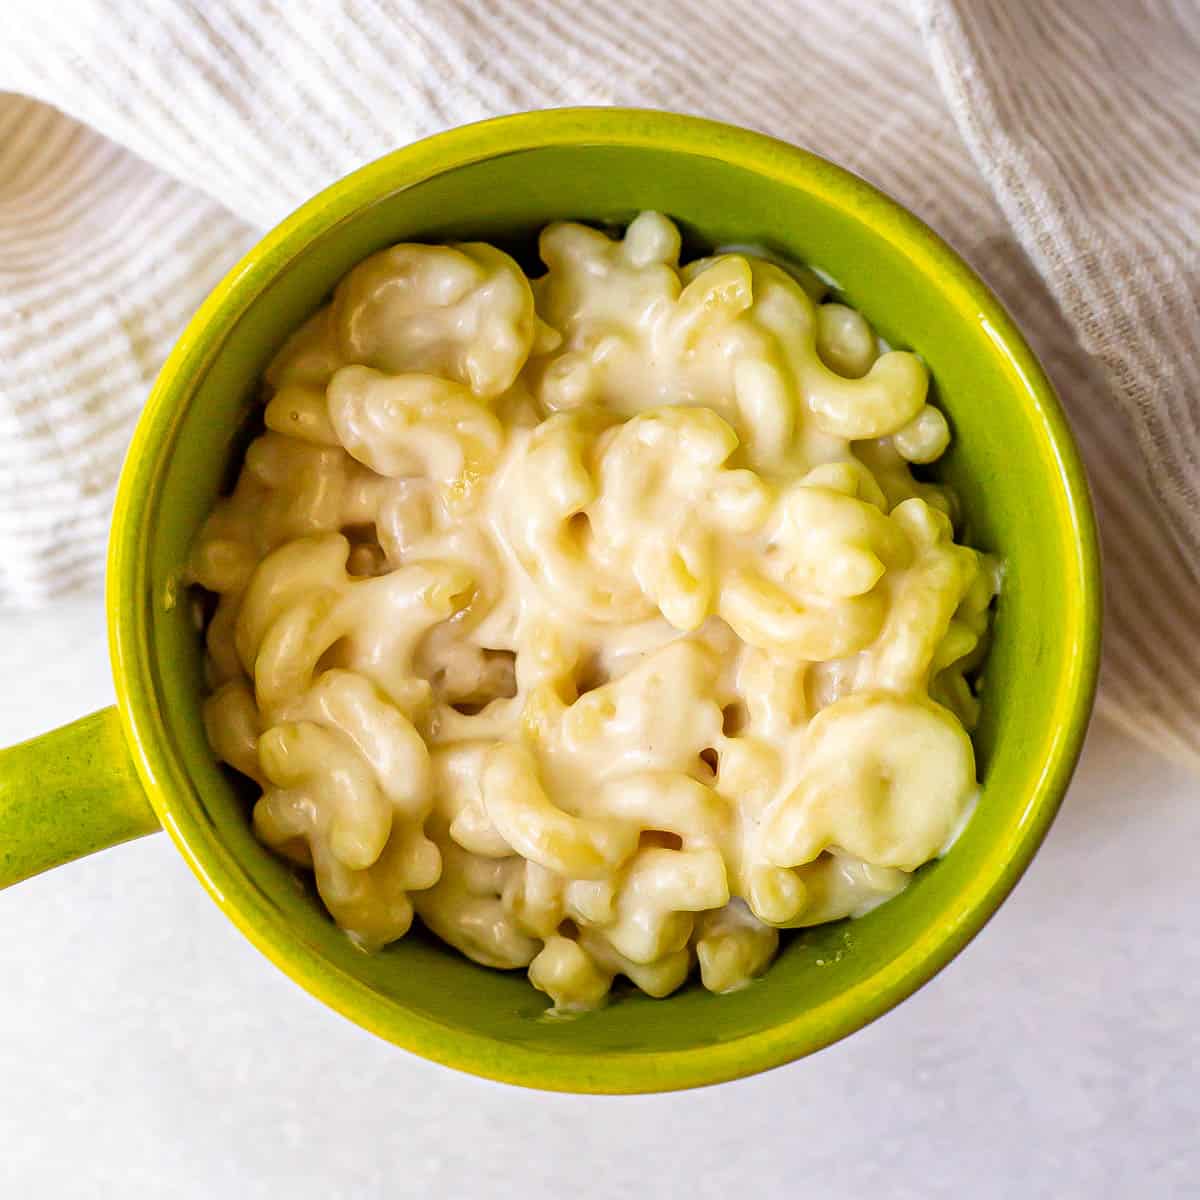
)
(1013, 463)
(66, 794)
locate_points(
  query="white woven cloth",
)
(143, 146)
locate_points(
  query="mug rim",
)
(159, 766)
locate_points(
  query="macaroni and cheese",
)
(596, 619)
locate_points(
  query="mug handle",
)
(66, 794)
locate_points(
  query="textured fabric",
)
(1054, 145)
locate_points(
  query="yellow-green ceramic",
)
(1013, 462)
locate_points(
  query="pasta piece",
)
(348, 776)
(415, 425)
(923, 598)
(885, 780)
(845, 342)
(233, 727)
(832, 545)
(659, 891)
(733, 947)
(288, 489)
(525, 818)
(465, 909)
(463, 313)
(569, 976)
(925, 438)
(665, 470)
(837, 885)
(659, 978)
(309, 357)
(764, 615)
(545, 496)
(301, 603)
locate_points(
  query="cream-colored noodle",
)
(597, 620)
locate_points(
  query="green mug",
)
(145, 764)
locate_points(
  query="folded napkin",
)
(144, 146)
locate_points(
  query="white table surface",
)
(147, 1050)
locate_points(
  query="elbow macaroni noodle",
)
(595, 619)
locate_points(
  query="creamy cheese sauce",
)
(598, 618)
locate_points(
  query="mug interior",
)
(1012, 464)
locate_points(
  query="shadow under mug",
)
(145, 764)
